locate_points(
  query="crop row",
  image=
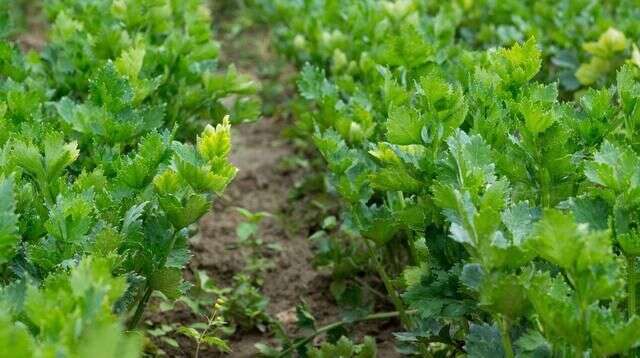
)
(486, 155)
(99, 181)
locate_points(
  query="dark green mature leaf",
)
(483, 341)
(593, 212)
(472, 276)
(532, 344)
(437, 295)
(168, 281)
(9, 237)
(110, 90)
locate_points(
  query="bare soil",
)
(35, 35)
(264, 184)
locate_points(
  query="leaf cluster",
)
(515, 204)
(106, 164)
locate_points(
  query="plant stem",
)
(631, 292)
(204, 333)
(142, 304)
(388, 284)
(631, 285)
(506, 338)
(371, 317)
(377, 293)
(198, 343)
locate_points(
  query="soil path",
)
(263, 184)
